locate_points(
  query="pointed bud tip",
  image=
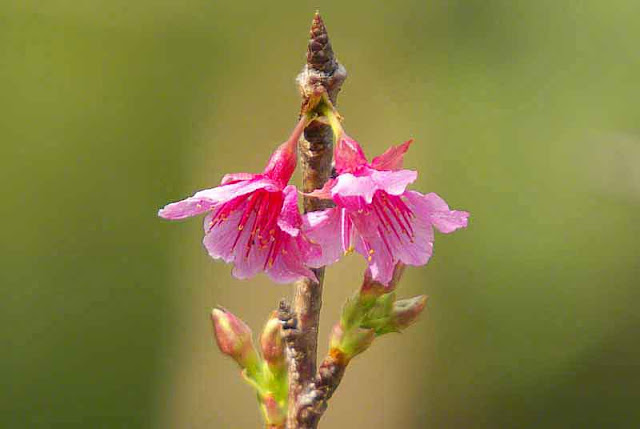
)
(272, 343)
(406, 311)
(320, 54)
(233, 336)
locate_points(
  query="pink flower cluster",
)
(253, 220)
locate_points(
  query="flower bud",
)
(234, 338)
(272, 344)
(406, 311)
(351, 342)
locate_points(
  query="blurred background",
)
(525, 113)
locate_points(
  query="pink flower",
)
(253, 220)
(375, 214)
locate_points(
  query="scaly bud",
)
(406, 311)
(272, 344)
(234, 339)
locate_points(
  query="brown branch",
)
(321, 72)
(312, 403)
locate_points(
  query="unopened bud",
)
(406, 311)
(351, 342)
(234, 338)
(272, 344)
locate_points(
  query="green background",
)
(525, 113)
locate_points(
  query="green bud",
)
(351, 342)
(274, 413)
(406, 311)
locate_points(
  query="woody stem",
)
(322, 72)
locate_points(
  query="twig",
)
(312, 403)
(322, 70)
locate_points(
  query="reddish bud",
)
(234, 338)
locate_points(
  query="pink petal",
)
(219, 240)
(392, 158)
(381, 262)
(233, 190)
(349, 190)
(236, 177)
(349, 156)
(347, 231)
(394, 182)
(323, 193)
(247, 266)
(192, 206)
(385, 236)
(323, 228)
(204, 200)
(434, 208)
(289, 265)
(290, 220)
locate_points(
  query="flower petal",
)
(236, 177)
(290, 220)
(394, 182)
(219, 240)
(247, 265)
(353, 191)
(392, 158)
(206, 199)
(233, 190)
(323, 193)
(289, 266)
(388, 232)
(381, 261)
(349, 156)
(191, 206)
(323, 228)
(434, 208)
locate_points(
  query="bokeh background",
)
(525, 113)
